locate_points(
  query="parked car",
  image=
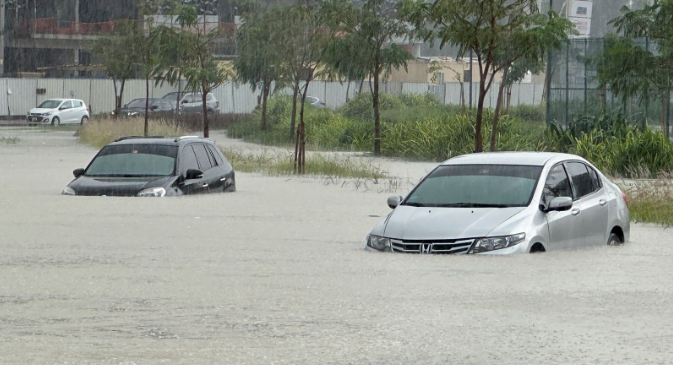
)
(136, 108)
(174, 98)
(315, 102)
(503, 203)
(193, 103)
(155, 167)
(59, 111)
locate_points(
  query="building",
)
(53, 37)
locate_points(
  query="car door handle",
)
(575, 211)
(602, 202)
(204, 185)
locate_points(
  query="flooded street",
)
(276, 274)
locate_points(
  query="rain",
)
(274, 265)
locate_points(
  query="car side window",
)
(67, 105)
(216, 155)
(209, 97)
(595, 180)
(581, 179)
(557, 185)
(188, 159)
(202, 156)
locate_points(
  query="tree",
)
(119, 54)
(374, 26)
(147, 44)
(499, 32)
(630, 70)
(201, 71)
(259, 56)
(307, 38)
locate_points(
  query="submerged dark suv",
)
(155, 166)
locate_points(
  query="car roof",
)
(170, 141)
(511, 158)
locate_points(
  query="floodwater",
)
(276, 274)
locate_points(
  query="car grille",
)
(431, 247)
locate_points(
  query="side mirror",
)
(78, 172)
(193, 174)
(560, 204)
(394, 201)
(62, 108)
(125, 105)
(154, 107)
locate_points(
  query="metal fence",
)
(233, 97)
(575, 91)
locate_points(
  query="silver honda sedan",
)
(504, 203)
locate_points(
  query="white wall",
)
(233, 97)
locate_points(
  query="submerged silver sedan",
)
(504, 203)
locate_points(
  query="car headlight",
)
(48, 113)
(157, 192)
(378, 243)
(497, 243)
(68, 191)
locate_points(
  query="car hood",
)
(117, 186)
(42, 110)
(425, 223)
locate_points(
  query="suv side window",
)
(202, 156)
(557, 185)
(581, 179)
(217, 156)
(188, 159)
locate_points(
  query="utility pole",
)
(549, 70)
(2, 37)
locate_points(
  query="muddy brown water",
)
(276, 274)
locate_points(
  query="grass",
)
(650, 200)
(9, 140)
(279, 163)
(101, 132)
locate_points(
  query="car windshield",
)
(476, 186)
(134, 160)
(137, 103)
(50, 104)
(172, 95)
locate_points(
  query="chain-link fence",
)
(576, 94)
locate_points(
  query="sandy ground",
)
(276, 274)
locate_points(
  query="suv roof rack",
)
(185, 137)
(136, 137)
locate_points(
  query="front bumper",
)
(38, 119)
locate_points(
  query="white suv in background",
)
(193, 103)
(59, 111)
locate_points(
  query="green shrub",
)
(101, 132)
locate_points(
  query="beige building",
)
(437, 70)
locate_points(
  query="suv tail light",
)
(217, 105)
(625, 200)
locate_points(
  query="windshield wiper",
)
(414, 204)
(473, 205)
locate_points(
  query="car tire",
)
(84, 120)
(614, 240)
(56, 122)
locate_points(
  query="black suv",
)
(155, 166)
